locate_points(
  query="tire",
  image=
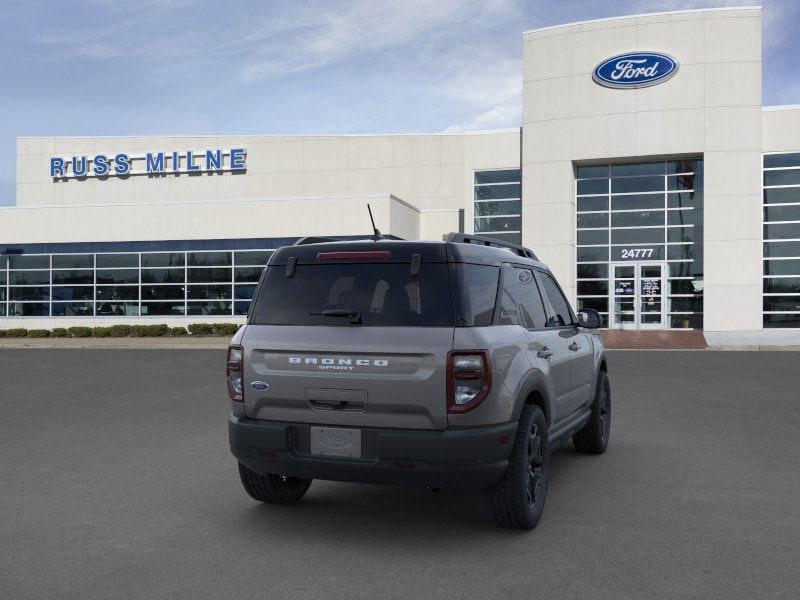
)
(273, 489)
(517, 501)
(593, 438)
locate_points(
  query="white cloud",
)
(497, 117)
(336, 34)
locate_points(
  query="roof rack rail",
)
(311, 239)
(466, 238)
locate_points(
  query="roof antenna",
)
(376, 235)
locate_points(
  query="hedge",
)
(16, 332)
(80, 332)
(162, 329)
(201, 329)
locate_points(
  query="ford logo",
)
(336, 442)
(635, 70)
(259, 385)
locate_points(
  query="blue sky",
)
(104, 67)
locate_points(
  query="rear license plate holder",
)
(333, 441)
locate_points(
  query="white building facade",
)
(646, 173)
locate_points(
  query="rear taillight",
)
(234, 373)
(469, 379)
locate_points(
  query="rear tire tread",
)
(272, 489)
(590, 439)
(506, 502)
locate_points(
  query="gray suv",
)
(454, 365)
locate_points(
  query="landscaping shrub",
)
(120, 330)
(138, 331)
(177, 331)
(80, 332)
(156, 330)
(16, 332)
(101, 332)
(59, 332)
(227, 329)
(39, 333)
(201, 329)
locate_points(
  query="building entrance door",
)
(637, 295)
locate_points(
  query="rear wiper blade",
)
(353, 315)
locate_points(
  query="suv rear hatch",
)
(351, 334)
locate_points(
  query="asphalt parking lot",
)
(116, 482)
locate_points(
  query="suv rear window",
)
(383, 294)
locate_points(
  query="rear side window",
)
(475, 292)
(562, 314)
(530, 300)
(509, 315)
(383, 294)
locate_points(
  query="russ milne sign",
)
(150, 163)
(635, 70)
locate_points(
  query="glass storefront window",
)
(249, 274)
(29, 277)
(70, 292)
(66, 277)
(72, 309)
(163, 259)
(498, 204)
(209, 292)
(117, 261)
(208, 259)
(209, 275)
(781, 215)
(251, 257)
(640, 212)
(163, 276)
(128, 284)
(108, 276)
(159, 309)
(29, 261)
(209, 308)
(29, 293)
(73, 261)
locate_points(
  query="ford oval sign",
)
(635, 70)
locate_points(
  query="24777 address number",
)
(637, 252)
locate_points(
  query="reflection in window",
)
(781, 300)
(129, 284)
(498, 205)
(634, 203)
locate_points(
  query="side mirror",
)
(589, 318)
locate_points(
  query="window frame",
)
(539, 272)
(544, 301)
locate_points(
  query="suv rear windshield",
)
(383, 295)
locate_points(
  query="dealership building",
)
(646, 173)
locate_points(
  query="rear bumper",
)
(454, 459)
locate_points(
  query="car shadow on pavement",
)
(337, 512)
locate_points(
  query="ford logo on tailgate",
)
(635, 70)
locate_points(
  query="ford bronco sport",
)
(453, 365)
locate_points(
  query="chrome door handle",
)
(545, 352)
(574, 346)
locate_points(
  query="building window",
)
(130, 284)
(648, 214)
(498, 205)
(781, 211)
